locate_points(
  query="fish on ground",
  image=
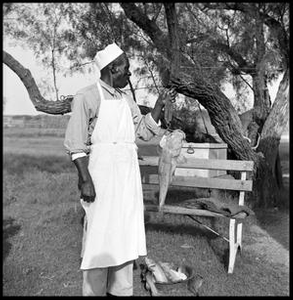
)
(156, 270)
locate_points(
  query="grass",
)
(42, 234)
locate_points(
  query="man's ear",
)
(113, 69)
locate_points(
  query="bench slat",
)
(203, 163)
(202, 182)
(181, 210)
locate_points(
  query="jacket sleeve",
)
(76, 135)
(145, 125)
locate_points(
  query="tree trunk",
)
(254, 119)
(222, 114)
(266, 187)
(175, 54)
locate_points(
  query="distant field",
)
(42, 145)
(47, 141)
(32, 132)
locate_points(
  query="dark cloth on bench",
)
(217, 206)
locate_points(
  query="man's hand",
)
(87, 191)
(85, 183)
(168, 94)
(172, 94)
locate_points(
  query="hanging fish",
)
(169, 155)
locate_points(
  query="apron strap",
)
(100, 91)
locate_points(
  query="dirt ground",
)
(273, 224)
(272, 232)
(276, 223)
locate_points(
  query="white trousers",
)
(116, 280)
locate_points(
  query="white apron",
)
(115, 230)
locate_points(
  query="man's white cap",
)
(107, 55)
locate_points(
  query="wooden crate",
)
(205, 151)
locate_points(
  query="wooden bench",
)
(149, 174)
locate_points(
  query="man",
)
(103, 127)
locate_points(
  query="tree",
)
(261, 52)
(186, 53)
(44, 32)
(222, 114)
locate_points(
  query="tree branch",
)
(41, 104)
(223, 117)
(174, 43)
(135, 14)
(276, 27)
(278, 117)
(241, 62)
(175, 54)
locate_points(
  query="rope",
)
(207, 227)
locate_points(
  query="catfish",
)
(169, 156)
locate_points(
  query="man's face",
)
(120, 78)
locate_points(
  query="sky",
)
(16, 95)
